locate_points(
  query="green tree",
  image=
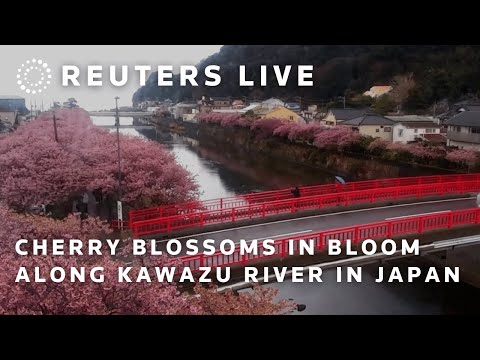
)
(361, 100)
(384, 104)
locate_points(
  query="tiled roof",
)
(420, 124)
(465, 118)
(435, 138)
(369, 119)
(347, 114)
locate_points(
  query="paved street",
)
(298, 226)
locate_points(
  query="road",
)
(305, 225)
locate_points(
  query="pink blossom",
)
(284, 129)
(265, 127)
(34, 169)
(378, 144)
(305, 132)
(225, 119)
(338, 137)
(462, 156)
(108, 297)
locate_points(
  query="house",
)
(238, 104)
(411, 131)
(252, 107)
(412, 128)
(377, 91)
(208, 104)
(279, 113)
(190, 115)
(310, 113)
(467, 105)
(272, 103)
(373, 125)
(464, 130)
(180, 109)
(293, 106)
(13, 103)
(336, 116)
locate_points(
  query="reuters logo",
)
(34, 76)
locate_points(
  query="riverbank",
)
(237, 141)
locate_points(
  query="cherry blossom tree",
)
(337, 138)
(377, 145)
(264, 128)
(463, 157)
(110, 296)
(259, 301)
(284, 130)
(35, 169)
(225, 119)
(305, 132)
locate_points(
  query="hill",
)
(439, 71)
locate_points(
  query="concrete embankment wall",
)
(239, 141)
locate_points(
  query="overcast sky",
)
(13, 56)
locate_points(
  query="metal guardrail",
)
(265, 209)
(306, 191)
(383, 229)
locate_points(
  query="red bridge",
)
(378, 230)
(197, 214)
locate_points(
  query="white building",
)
(272, 103)
(410, 131)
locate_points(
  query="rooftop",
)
(409, 118)
(465, 118)
(420, 124)
(435, 138)
(262, 111)
(471, 107)
(11, 97)
(369, 119)
(347, 114)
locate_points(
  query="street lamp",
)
(119, 201)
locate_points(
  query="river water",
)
(220, 174)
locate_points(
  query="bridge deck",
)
(283, 194)
(294, 205)
(288, 244)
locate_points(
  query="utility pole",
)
(119, 201)
(55, 126)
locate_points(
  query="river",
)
(220, 174)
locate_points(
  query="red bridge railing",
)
(378, 230)
(306, 191)
(200, 219)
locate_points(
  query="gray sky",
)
(82, 55)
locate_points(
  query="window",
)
(415, 131)
(387, 129)
(291, 117)
(457, 129)
(377, 130)
(475, 130)
(400, 132)
(429, 131)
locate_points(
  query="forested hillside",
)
(437, 71)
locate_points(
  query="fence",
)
(284, 194)
(200, 219)
(382, 229)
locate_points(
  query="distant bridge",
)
(137, 127)
(121, 113)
